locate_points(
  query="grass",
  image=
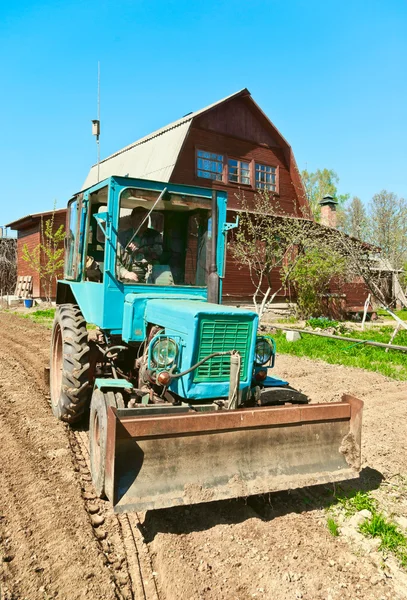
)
(333, 526)
(321, 323)
(356, 502)
(377, 526)
(45, 317)
(292, 319)
(402, 314)
(392, 539)
(342, 352)
(42, 316)
(48, 313)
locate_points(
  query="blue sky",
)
(331, 75)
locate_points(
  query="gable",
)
(236, 118)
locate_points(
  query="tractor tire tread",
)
(74, 393)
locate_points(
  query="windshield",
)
(163, 239)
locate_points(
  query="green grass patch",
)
(42, 316)
(43, 313)
(392, 539)
(402, 314)
(356, 502)
(343, 352)
(333, 527)
(321, 323)
(45, 317)
(377, 526)
(290, 320)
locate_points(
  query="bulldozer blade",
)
(158, 461)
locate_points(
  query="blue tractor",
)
(182, 407)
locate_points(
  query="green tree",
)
(319, 184)
(356, 220)
(47, 258)
(311, 277)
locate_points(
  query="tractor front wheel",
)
(69, 368)
(98, 435)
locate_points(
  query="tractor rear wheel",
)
(98, 435)
(69, 365)
(275, 396)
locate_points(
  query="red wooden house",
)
(230, 145)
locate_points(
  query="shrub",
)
(311, 276)
(321, 323)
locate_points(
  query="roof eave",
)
(29, 219)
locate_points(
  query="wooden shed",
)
(29, 232)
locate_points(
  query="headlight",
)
(263, 351)
(164, 352)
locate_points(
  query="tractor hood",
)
(181, 314)
(199, 329)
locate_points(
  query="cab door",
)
(74, 239)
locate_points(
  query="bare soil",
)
(276, 547)
(47, 543)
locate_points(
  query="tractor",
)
(177, 387)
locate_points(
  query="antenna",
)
(96, 125)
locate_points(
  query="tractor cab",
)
(162, 238)
(127, 235)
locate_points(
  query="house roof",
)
(23, 222)
(154, 156)
(323, 231)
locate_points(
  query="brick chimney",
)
(328, 211)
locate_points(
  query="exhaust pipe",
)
(213, 277)
(234, 381)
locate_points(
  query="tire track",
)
(142, 578)
(38, 495)
(39, 479)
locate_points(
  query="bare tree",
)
(364, 262)
(356, 220)
(388, 227)
(308, 256)
(267, 241)
(8, 265)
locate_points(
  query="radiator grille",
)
(219, 336)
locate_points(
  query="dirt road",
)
(58, 541)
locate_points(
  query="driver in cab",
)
(140, 247)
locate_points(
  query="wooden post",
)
(367, 302)
(393, 335)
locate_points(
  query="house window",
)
(239, 171)
(266, 178)
(209, 165)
